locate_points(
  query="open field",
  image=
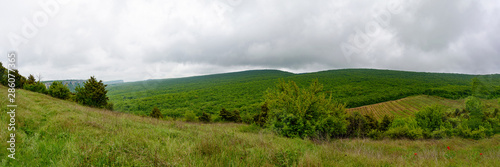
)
(52, 132)
(408, 106)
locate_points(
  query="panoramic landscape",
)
(261, 83)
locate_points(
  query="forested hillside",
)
(244, 91)
(55, 132)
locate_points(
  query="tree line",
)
(92, 93)
(310, 112)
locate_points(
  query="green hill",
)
(53, 132)
(409, 106)
(244, 91)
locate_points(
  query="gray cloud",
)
(136, 40)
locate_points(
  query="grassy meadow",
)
(53, 132)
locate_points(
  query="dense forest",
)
(244, 91)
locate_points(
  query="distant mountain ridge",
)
(72, 84)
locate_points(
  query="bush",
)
(156, 113)
(332, 127)
(295, 112)
(261, 118)
(430, 118)
(375, 134)
(230, 116)
(36, 87)
(247, 118)
(58, 90)
(385, 123)
(293, 126)
(479, 133)
(476, 116)
(357, 125)
(225, 115)
(110, 106)
(190, 116)
(205, 117)
(439, 134)
(405, 128)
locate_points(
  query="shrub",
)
(261, 118)
(405, 128)
(375, 134)
(190, 116)
(225, 115)
(58, 90)
(439, 134)
(385, 123)
(295, 112)
(235, 116)
(293, 126)
(205, 117)
(36, 87)
(357, 125)
(156, 113)
(430, 118)
(332, 127)
(110, 106)
(479, 133)
(230, 116)
(475, 107)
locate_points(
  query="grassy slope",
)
(408, 106)
(53, 132)
(244, 90)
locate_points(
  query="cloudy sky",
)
(144, 39)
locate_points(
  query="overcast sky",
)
(137, 40)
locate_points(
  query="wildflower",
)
(415, 153)
(448, 147)
(480, 153)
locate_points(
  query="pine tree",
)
(261, 118)
(156, 113)
(225, 115)
(92, 93)
(31, 80)
(58, 90)
(205, 117)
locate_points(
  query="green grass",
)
(53, 132)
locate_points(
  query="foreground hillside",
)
(244, 91)
(52, 132)
(410, 105)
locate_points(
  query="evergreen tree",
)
(156, 113)
(225, 115)
(261, 118)
(3, 75)
(58, 90)
(31, 80)
(19, 79)
(205, 117)
(235, 116)
(92, 93)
